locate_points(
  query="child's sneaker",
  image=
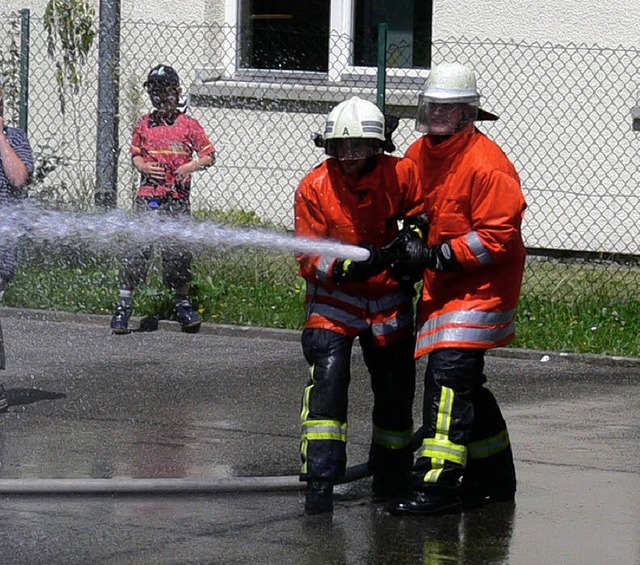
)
(120, 319)
(187, 317)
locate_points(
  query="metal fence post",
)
(25, 19)
(107, 149)
(382, 65)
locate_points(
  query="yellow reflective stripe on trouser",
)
(304, 414)
(490, 446)
(392, 439)
(324, 430)
(440, 448)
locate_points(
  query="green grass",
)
(572, 308)
(241, 287)
(582, 326)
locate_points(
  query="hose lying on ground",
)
(166, 486)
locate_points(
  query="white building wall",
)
(148, 10)
(606, 24)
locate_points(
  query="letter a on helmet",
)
(355, 124)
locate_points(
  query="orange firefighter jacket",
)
(475, 201)
(363, 210)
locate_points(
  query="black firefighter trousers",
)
(325, 405)
(465, 442)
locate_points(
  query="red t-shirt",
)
(170, 145)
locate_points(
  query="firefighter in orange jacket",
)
(356, 196)
(473, 261)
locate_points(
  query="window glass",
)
(285, 34)
(408, 32)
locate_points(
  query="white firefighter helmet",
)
(451, 83)
(448, 84)
(354, 130)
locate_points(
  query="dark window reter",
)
(285, 35)
(408, 36)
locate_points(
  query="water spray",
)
(103, 230)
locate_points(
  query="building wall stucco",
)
(606, 24)
(148, 10)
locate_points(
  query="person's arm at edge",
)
(15, 169)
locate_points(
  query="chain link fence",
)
(565, 120)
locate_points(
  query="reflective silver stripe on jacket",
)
(471, 335)
(393, 324)
(470, 318)
(467, 325)
(339, 315)
(386, 302)
(370, 308)
(373, 305)
(478, 249)
(356, 301)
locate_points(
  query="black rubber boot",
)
(319, 497)
(427, 503)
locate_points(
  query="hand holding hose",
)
(345, 270)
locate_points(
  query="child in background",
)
(167, 147)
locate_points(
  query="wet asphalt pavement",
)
(225, 403)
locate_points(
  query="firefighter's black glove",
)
(415, 227)
(345, 270)
(415, 256)
(407, 255)
(402, 254)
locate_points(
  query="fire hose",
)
(126, 485)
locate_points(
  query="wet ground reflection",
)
(167, 404)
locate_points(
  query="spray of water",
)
(103, 231)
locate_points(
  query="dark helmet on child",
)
(163, 87)
(162, 75)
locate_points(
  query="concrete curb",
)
(294, 336)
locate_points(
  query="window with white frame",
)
(285, 35)
(321, 36)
